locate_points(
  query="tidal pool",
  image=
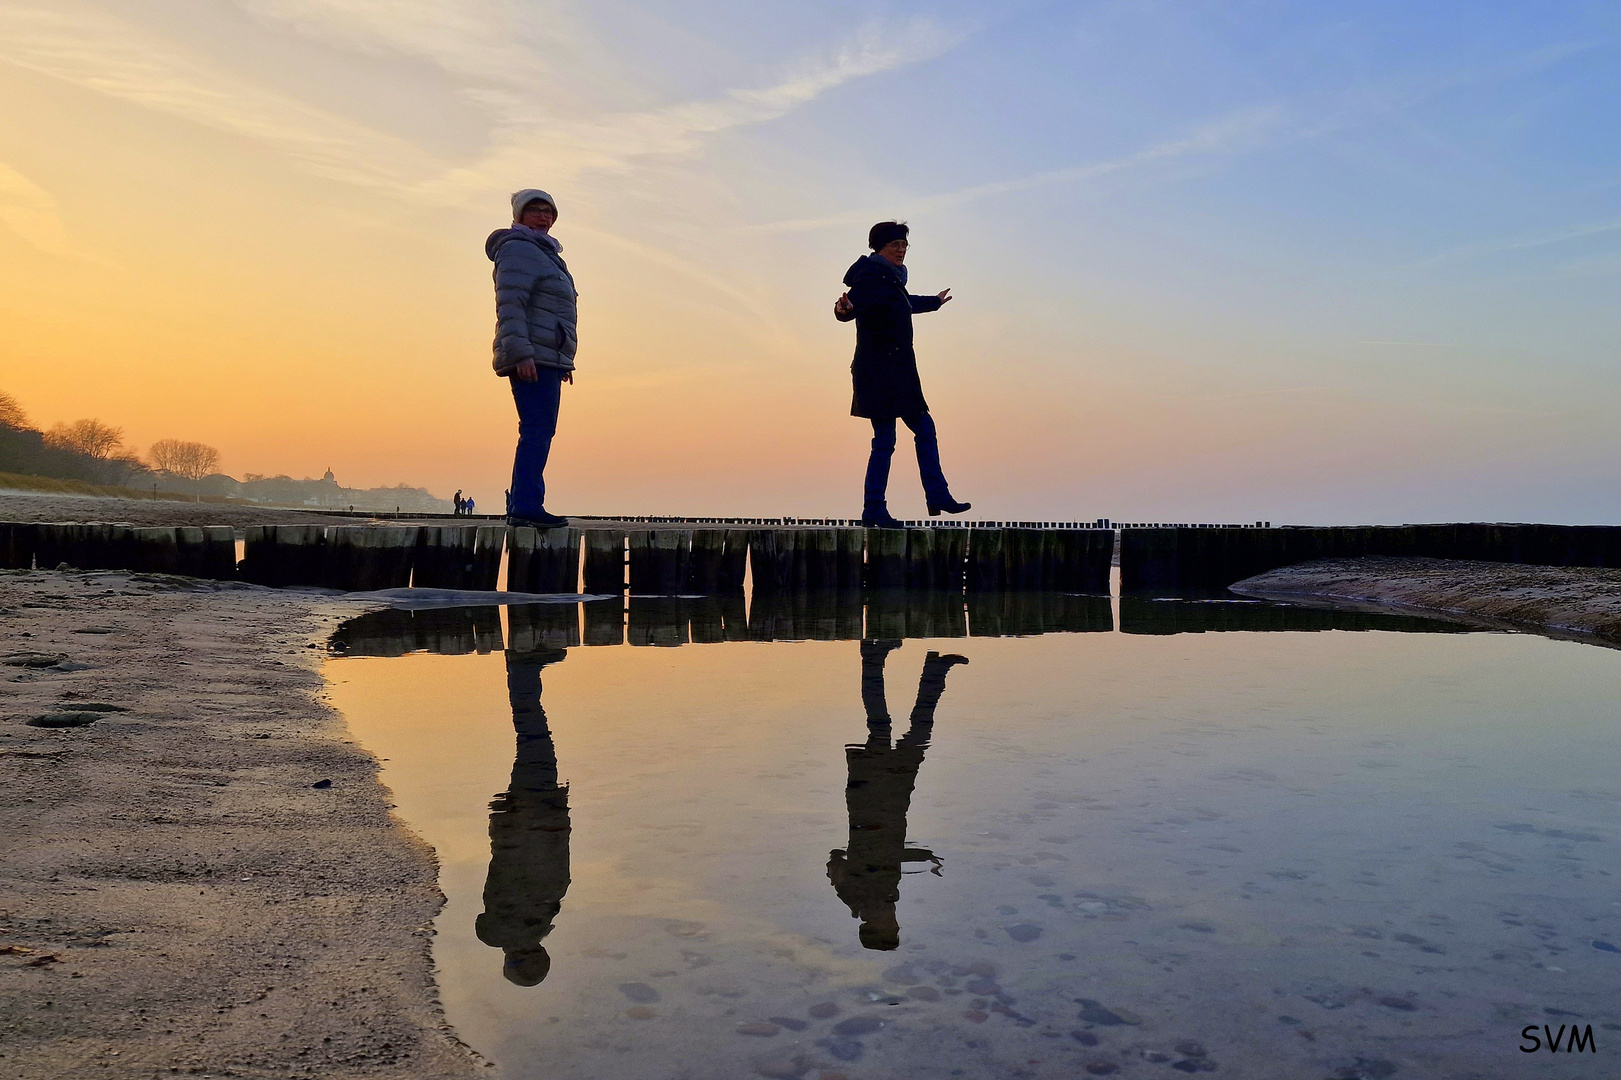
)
(1143, 838)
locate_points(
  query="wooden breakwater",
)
(1213, 558)
(659, 560)
(669, 621)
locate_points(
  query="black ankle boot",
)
(877, 517)
(950, 506)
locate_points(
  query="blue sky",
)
(1301, 262)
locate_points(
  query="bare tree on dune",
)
(91, 438)
(191, 460)
(11, 412)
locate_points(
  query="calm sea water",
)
(1156, 838)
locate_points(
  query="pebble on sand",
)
(1024, 932)
(640, 993)
(823, 1010)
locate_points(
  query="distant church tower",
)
(329, 478)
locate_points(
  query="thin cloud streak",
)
(1219, 136)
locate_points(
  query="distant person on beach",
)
(467, 507)
(887, 386)
(457, 500)
(535, 339)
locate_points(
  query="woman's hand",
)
(525, 371)
(842, 305)
(568, 377)
(944, 296)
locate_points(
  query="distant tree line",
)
(93, 451)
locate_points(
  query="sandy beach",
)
(206, 878)
(1580, 602)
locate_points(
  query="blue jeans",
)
(537, 422)
(928, 459)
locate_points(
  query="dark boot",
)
(948, 505)
(877, 517)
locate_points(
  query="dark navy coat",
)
(885, 366)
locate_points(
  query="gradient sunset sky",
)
(1302, 262)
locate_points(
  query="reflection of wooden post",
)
(886, 559)
(657, 620)
(886, 611)
(604, 620)
(985, 570)
(734, 617)
(706, 618)
(604, 561)
(487, 624)
(985, 610)
(533, 627)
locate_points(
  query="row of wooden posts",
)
(714, 561)
(819, 615)
(650, 561)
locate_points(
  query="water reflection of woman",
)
(867, 874)
(529, 834)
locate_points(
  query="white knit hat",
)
(521, 199)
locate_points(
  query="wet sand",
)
(179, 897)
(1563, 601)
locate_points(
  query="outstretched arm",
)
(921, 304)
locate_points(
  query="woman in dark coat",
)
(887, 387)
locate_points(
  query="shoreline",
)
(178, 895)
(1572, 603)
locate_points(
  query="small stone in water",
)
(1094, 1012)
(1023, 932)
(1190, 1048)
(975, 1016)
(1401, 1004)
(858, 1025)
(788, 1022)
(982, 967)
(1158, 1057)
(757, 1027)
(924, 993)
(639, 992)
(1085, 1038)
(1102, 1068)
(783, 1068)
(843, 1049)
(982, 986)
(1199, 927)
(1605, 946)
(823, 1010)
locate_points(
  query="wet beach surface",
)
(1145, 838)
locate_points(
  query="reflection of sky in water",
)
(1282, 854)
